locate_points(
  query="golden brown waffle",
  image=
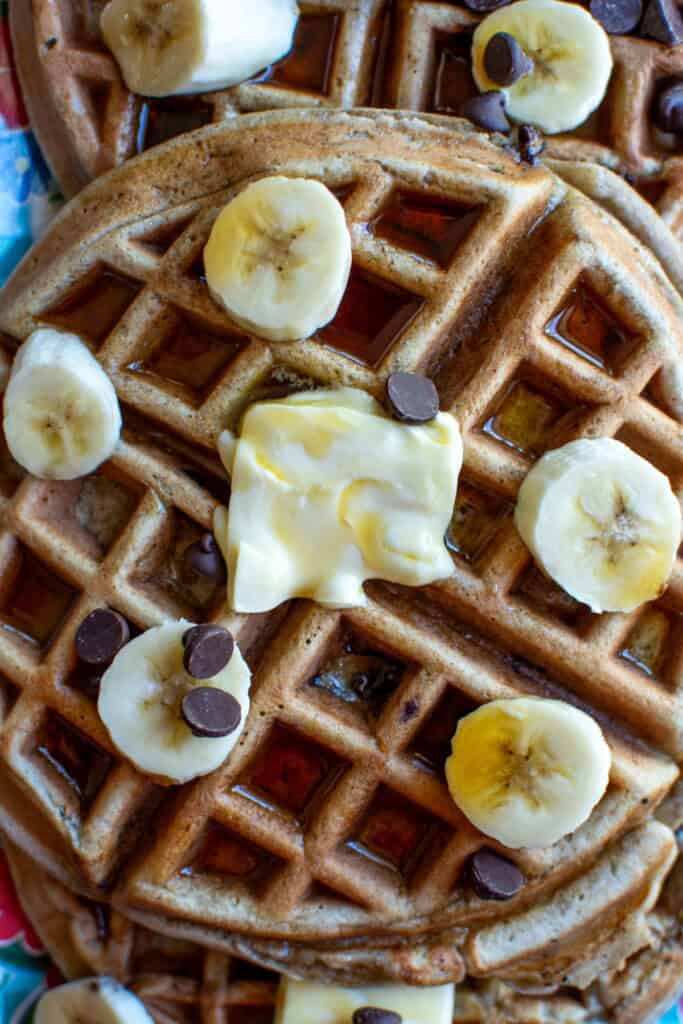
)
(477, 283)
(183, 983)
(408, 54)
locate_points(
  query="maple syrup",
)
(542, 593)
(429, 227)
(372, 316)
(190, 356)
(395, 832)
(523, 420)
(432, 745)
(166, 570)
(587, 327)
(223, 853)
(36, 602)
(647, 645)
(161, 120)
(476, 519)
(8, 696)
(291, 772)
(453, 80)
(77, 761)
(358, 675)
(94, 308)
(159, 241)
(308, 65)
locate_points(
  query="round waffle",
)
(365, 848)
(181, 982)
(407, 54)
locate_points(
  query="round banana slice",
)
(95, 1000)
(61, 413)
(528, 771)
(572, 62)
(279, 258)
(141, 698)
(169, 47)
(602, 522)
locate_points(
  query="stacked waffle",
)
(328, 846)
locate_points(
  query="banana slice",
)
(303, 1003)
(61, 415)
(527, 771)
(279, 257)
(169, 47)
(571, 56)
(95, 1000)
(602, 522)
(141, 698)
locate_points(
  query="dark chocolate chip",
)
(210, 712)
(101, 636)
(663, 21)
(412, 398)
(487, 111)
(484, 6)
(373, 1015)
(530, 143)
(667, 112)
(617, 16)
(505, 61)
(410, 709)
(208, 650)
(204, 557)
(494, 877)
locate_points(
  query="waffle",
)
(89, 122)
(182, 982)
(407, 54)
(428, 70)
(367, 850)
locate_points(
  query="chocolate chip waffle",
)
(429, 70)
(180, 981)
(408, 54)
(541, 319)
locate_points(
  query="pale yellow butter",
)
(303, 1003)
(329, 491)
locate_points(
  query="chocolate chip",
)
(412, 398)
(504, 59)
(204, 557)
(487, 111)
(484, 6)
(530, 143)
(494, 877)
(373, 1015)
(210, 712)
(101, 636)
(667, 112)
(208, 650)
(617, 16)
(663, 21)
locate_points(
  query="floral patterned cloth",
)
(28, 200)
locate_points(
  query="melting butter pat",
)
(328, 491)
(303, 1003)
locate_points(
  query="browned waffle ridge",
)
(239, 852)
(180, 981)
(408, 54)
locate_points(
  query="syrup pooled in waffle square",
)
(331, 818)
(182, 982)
